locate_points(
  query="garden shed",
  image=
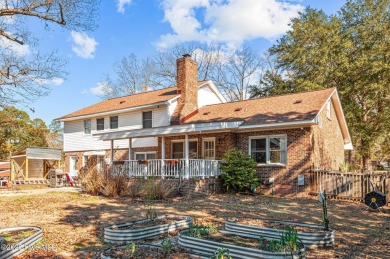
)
(34, 163)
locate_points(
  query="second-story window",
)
(100, 124)
(114, 122)
(147, 120)
(87, 126)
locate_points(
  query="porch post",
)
(186, 156)
(12, 169)
(130, 147)
(129, 165)
(112, 151)
(162, 157)
(26, 168)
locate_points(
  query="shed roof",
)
(39, 153)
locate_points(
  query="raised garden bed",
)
(145, 251)
(239, 246)
(18, 239)
(145, 228)
(309, 234)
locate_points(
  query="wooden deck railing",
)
(168, 168)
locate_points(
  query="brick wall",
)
(298, 159)
(327, 142)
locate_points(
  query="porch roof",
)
(171, 130)
(208, 127)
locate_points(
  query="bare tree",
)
(25, 72)
(232, 71)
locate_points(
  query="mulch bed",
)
(152, 223)
(261, 244)
(276, 225)
(13, 237)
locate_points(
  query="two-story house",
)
(190, 126)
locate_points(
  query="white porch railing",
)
(168, 168)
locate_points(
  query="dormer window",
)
(147, 119)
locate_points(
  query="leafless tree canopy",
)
(233, 72)
(25, 72)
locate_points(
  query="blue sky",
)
(144, 26)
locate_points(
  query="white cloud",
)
(99, 90)
(8, 46)
(52, 81)
(83, 45)
(230, 22)
(121, 5)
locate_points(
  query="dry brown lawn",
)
(73, 223)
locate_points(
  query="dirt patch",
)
(73, 223)
(147, 252)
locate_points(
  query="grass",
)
(74, 223)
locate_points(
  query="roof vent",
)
(121, 102)
(206, 113)
(238, 109)
(298, 101)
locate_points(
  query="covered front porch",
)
(184, 151)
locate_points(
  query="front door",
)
(72, 166)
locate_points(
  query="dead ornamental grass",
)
(74, 223)
(119, 185)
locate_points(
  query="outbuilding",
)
(34, 163)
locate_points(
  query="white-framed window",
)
(114, 122)
(147, 119)
(145, 155)
(100, 124)
(328, 109)
(208, 151)
(178, 150)
(85, 161)
(269, 150)
(87, 126)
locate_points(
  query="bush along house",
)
(183, 132)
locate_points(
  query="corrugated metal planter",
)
(320, 238)
(115, 235)
(207, 248)
(102, 256)
(17, 249)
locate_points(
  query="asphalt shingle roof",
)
(266, 110)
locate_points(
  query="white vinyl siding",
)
(76, 140)
(206, 96)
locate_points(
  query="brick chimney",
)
(187, 87)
